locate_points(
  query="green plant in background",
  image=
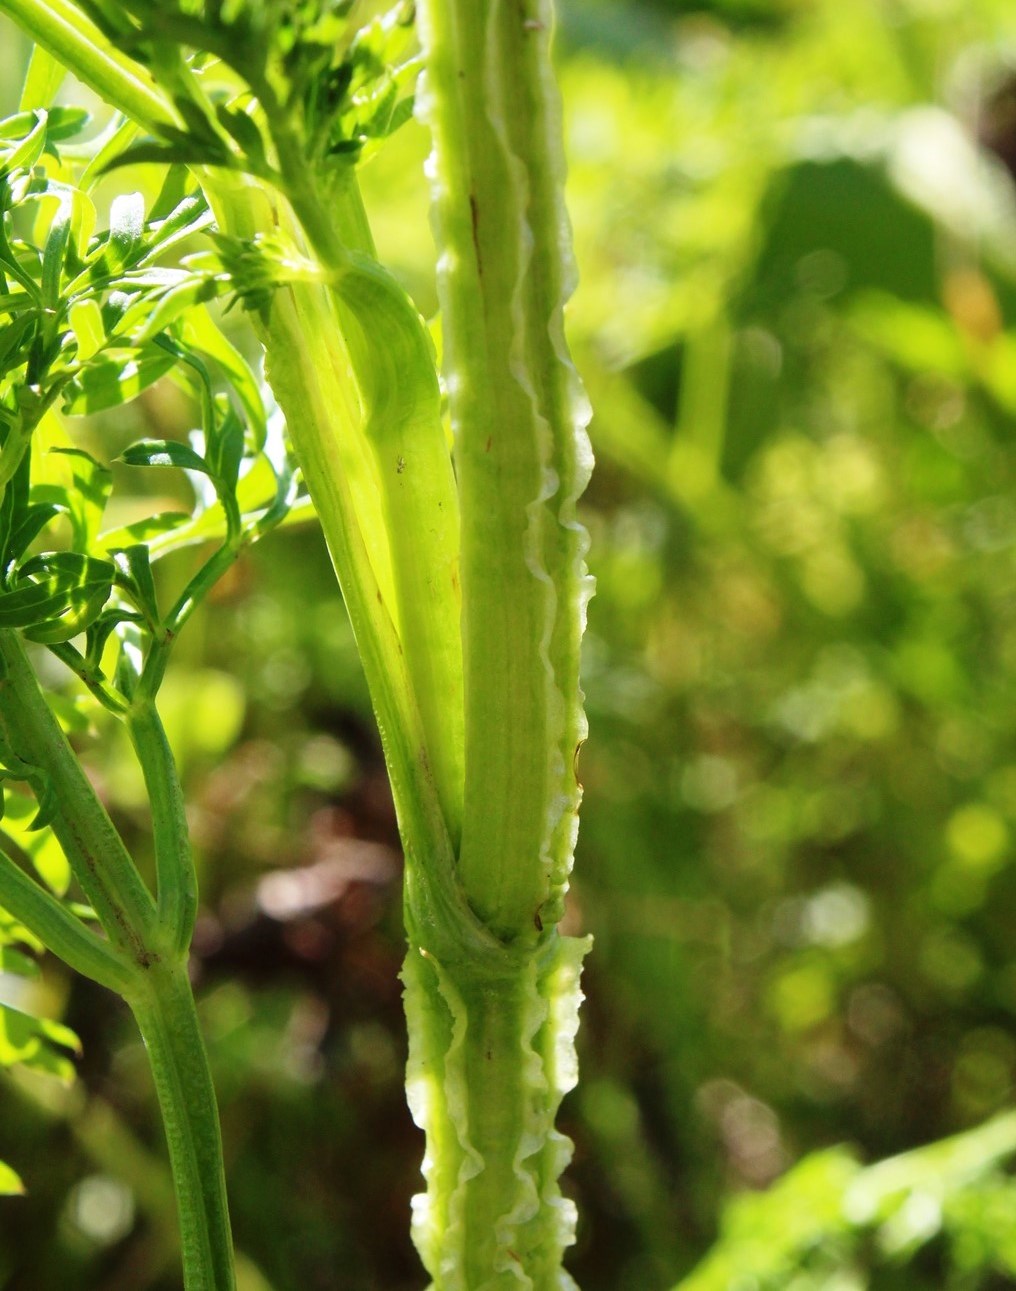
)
(810, 1230)
(465, 589)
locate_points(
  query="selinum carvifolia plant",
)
(450, 516)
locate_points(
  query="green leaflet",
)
(36, 1043)
(40, 845)
(14, 962)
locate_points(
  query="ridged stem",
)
(491, 1056)
(522, 456)
(491, 1050)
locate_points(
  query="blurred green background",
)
(795, 224)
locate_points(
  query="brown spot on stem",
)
(474, 215)
(575, 762)
(490, 440)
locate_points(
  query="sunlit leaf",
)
(10, 1182)
(85, 318)
(84, 495)
(116, 378)
(135, 574)
(16, 962)
(36, 1043)
(164, 452)
(126, 228)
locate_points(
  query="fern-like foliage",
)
(95, 307)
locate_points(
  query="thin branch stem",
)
(57, 928)
(177, 890)
(98, 858)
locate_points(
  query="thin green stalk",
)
(61, 29)
(404, 495)
(177, 887)
(385, 425)
(151, 941)
(163, 1006)
(57, 928)
(393, 362)
(94, 849)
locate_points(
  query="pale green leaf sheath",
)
(491, 1035)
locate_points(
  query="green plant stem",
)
(177, 888)
(491, 1050)
(94, 849)
(163, 1005)
(298, 333)
(522, 456)
(57, 928)
(61, 29)
(151, 941)
(490, 1059)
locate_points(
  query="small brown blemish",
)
(575, 762)
(400, 465)
(380, 598)
(538, 921)
(490, 440)
(474, 215)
